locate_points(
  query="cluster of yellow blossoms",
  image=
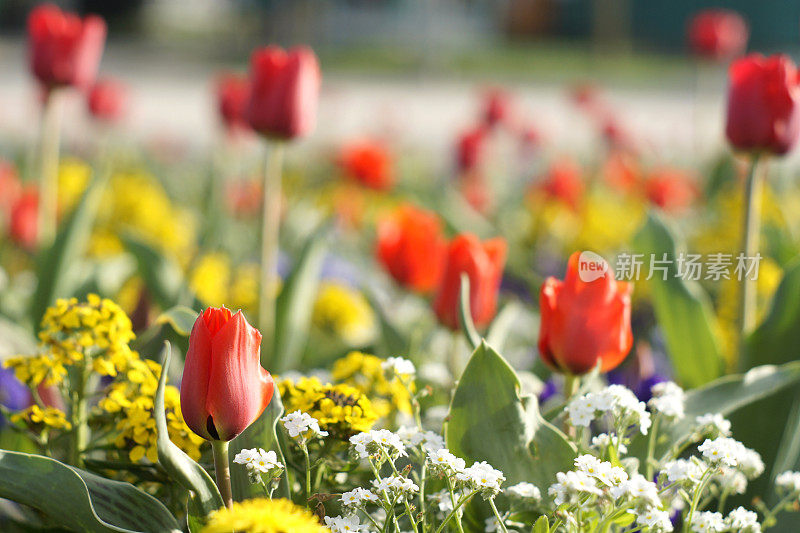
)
(48, 417)
(343, 312)
(216, 282)
(261, 515)
(365, 373)
(342, 410)
(132, 399)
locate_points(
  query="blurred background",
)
(414, 67)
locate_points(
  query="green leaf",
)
(54, 263)
(179, 466)
(501, 325)
(180, 318)
(79, 500)
(465, 314)
(259, 434)
(15, 340)
(542, 525)
(295, 305)
(682, 310)
(489, 421)
(162, 275)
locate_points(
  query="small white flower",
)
(713, 424)
(442, 500)
(399, 366)
(299, 423)
(357, 497)
(429, 440)
(481, 475)
(376, 442)
(731, 479)
(640, 488)
(750, 463)
(446, 462)
(722, 450)
(245, 457)
(524, 491)
(265, 462)
(740, 520)
(395, 484)
(345, 524)
(668, 399)
(788, 482)
(581, 410)
(571, 486)
(604, 440)
(684, 470)
(653, 518)
(491, 525)
(707, 522)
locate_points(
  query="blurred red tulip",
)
(476, 192)
(233, 94)
(224, 387)
(670, 189)
(284, 92)
(368, 163)
(64, 50)
(530, 137)
(496, 107)
(22, 226)
(471, 150)
(108, 100)
(244, 197)
(412, 248)
(584, 323)
(621, 171)
(718, 34)
(10, 186)
(563, 182)
(483, 262)
(763, 104)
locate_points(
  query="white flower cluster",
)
(345, 524)
(740, 520)
(357, 497)
(789, 482)
(445, 462)
(686, 471)
(654, 519)
(727, 452)
(378, 442)
(713, 425)
(483, 477)
(395, 485)
(602, 441)
(258, 461)
(617, 401)
(668, 399)
(427, 440)
(524, 491)
(303, 425)
(402, 368)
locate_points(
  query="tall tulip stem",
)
(750, 235)
(49, 142)
(270, 222)
(222, 470)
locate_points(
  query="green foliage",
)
(465, 314)
(180, 318)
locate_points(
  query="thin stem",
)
(750, 234)
(497, 515)
(48, 168)
(222, 470)
(453, 503)
(270, 222)
(651, 448)
(464, 499)
(304, 448)
(78, 415)
(696, 498)
(572, 384)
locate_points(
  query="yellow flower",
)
(341, 410)
(342, 311)
(244, 289)
(50, 417)
(35, 369)
(210, 278)
(364, 372)
(73, 178)
(261, 515)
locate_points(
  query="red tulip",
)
(22, 227)
(233, 94)
(368, 163)
(476, 192)
(107, 101)
(224, 388)
(763, 104)
(670, 189)
(10, 186)
(64, 50)
(584, 323)
(483, 262)
(496, 107)
(471, 150)
(718, 34)
(284, 92)
(621, 171)
(563, 182)
(411, 247)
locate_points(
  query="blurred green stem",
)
(750, 233)
(49, 141)
(222, 471)
(270, 222)
(78, 415)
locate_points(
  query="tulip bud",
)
(10, 186)
(233, 94)
(107, 101)
(718, 34)
(64, 50)
(483, 263)
(496, 107)
(284, 92)
(368, 163)
(584, 323)
(411, 247)
(470, 150)
(763, 110)
(224, 388)
(670, 189)
(563, 182)
(22, 227)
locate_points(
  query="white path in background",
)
(172, 99)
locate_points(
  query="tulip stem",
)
(222, 471)
(270, 222)
(750, 235)
(572, 384)
(49, 141)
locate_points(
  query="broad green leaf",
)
(489, 421)
(54, 263)
(542, 525)
(79, 500)
(682, 309)
(295, 305)
(465, 314)
(259, 434)
(179, 466)
(180, 318)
